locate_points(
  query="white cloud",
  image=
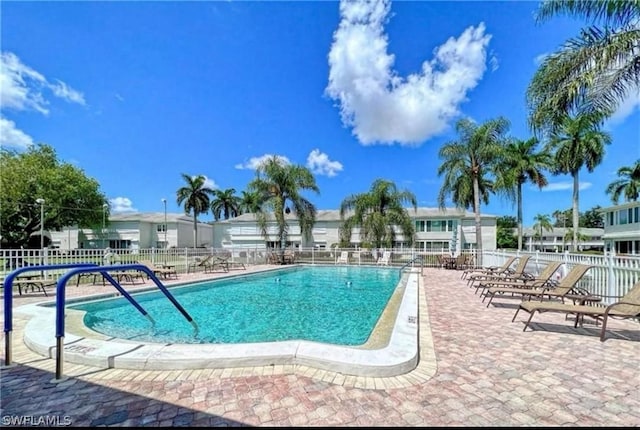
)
(11, 136)
(21, 89)
(625, 109)
(210, 183)
(320, 164)
(255, 162)
(562, 186)
(62, 90)
(121, 204)
(383, 107)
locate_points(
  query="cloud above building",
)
(384, 108)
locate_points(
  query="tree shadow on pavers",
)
(586, 330)
(29, 398)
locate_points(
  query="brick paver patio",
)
(488, 373)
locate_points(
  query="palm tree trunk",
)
(476, 210)
(519, 197)
(576, 214)
(195, 230)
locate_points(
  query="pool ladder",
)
(410, 263)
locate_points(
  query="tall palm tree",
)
(561, 221)
(280, 184)
(596, 70)
(628, 184)
(472, 156)
(542, 222)
(377, 213)
(520, 163)
(195, 196)
(249, 202)
(225, 203)
(577, 142)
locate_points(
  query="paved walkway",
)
(483, 371)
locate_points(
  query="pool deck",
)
(477, 368)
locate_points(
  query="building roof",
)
(152, 217)
(334, 215)
(620, 206)
(560, 231)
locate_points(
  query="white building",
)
(448, 230)
(622, 228)
(559, 239)
(136, 230)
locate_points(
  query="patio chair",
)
(343, 258)
(565, 289)
(488, 270)
(384, 260)
(527, 280)
(199, 263)
(163, 272)
(517, 272)
(627, 307)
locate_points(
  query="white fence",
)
(610, 275)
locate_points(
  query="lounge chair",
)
(527, 280)
(565, 289)
(488, 270)
(163, 272)
(384, 260)
(508, 273)
(199, 263)
(628, 306)
(343, 258)
(33, 283)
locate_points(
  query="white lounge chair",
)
(384, 260)
(344, 258)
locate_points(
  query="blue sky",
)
(136, 93)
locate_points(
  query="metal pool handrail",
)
(60, 301)
(8, 299)
(410, 262)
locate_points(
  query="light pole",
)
(41, 203)
(104, 211)
(164, 201)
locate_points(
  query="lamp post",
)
(104, 211)
(41, 203)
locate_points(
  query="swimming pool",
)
(337, 305)
(392, 348)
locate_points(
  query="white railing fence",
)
(611, 275)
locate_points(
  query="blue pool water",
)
(338, 305)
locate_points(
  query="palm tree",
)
(377, 213)
(542, 222)
(195, 195)
(628, 184)
(561, 220)
(249, 202)
(577, 142)
(225, 203)
(279, 184)
(467, 161)
(596, 70)
(569, 234)
(520, 162)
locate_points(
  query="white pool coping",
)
(83, 346)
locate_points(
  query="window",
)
(420, 226)
(622, 216)
(161, 228)
(610, 217)
(636, 214)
